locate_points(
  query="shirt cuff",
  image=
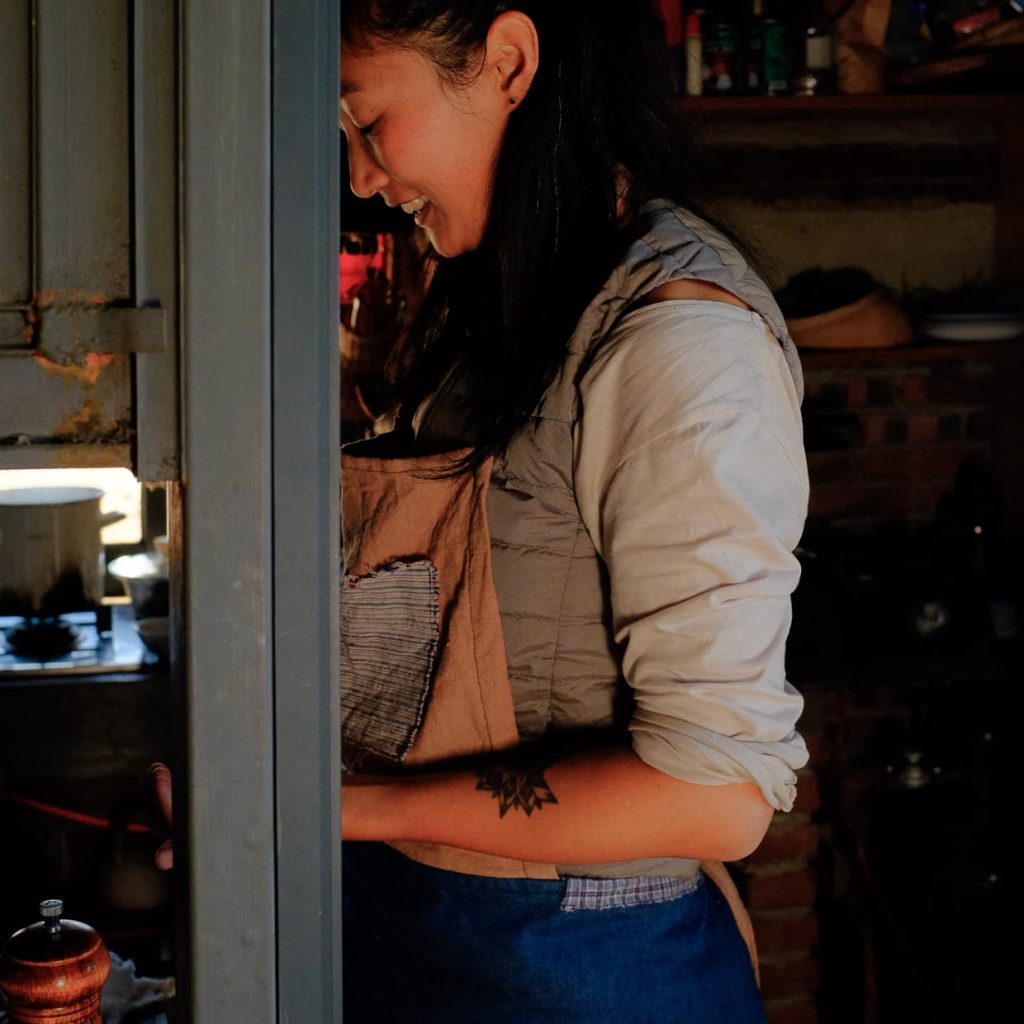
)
(701, 756)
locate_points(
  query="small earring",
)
(512, 99)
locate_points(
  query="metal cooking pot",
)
(51, 553)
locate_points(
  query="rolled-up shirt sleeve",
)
(691, 480)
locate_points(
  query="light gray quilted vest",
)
(553, 598)
(551, 584)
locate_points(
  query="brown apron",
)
(397, 512)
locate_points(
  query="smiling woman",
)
(569, 563)
(428, 145)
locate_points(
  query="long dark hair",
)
(603, 100)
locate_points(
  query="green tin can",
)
(778, 64)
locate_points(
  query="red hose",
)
(64, 812)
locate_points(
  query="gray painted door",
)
(168, 301)
(87, 218)
(258, 510)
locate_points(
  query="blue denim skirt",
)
(423, 945)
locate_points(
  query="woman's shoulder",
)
(691, 289)
(689, 246)
(677, 259)
(699, 348)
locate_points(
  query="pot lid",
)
(49, 495)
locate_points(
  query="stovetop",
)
(98, 649)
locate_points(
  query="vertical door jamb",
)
(225, 796)
(306, 422)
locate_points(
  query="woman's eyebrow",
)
(347, 87)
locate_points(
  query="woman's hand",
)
(161, 776)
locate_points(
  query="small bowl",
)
(144, 578)
(973, 326)
(154, 634)
(874, 321)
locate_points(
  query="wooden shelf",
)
(1004, 111)
(924, 351)
(881, 104)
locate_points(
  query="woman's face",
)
(427, 147)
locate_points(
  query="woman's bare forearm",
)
(593, 807)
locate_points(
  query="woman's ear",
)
(512, 54)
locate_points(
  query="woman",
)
(570, 563)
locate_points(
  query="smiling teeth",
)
(415, 205)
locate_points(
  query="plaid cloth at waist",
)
(609, 893)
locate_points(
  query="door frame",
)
(257, 513)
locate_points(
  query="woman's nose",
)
(366, 177)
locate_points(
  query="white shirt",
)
(691, 479)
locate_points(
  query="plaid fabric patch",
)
(608, 893)
(389, 634)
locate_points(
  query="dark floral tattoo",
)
(520, 785)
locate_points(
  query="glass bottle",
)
(753, 56)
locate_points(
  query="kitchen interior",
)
(870, 154)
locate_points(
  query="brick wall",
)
(885, 439)
(780, 884)
(885, 432)
(785, 882)
(822, 938)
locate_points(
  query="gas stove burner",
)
(100, 641)
(42, 639)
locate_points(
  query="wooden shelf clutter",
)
(880, 104)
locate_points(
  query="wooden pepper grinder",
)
(53, 971)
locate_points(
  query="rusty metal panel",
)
(15, 327)
(93, 114)
(157, 374)
(15, 159)
(78, 326)
(72, 324)
(65, 456)
(43, 401)
(83, 172)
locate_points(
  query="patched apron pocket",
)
(389, 637)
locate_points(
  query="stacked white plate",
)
(973, 326)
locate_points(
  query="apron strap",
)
(466, 862)
(719, 874)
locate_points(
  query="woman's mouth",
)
(414, 205)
